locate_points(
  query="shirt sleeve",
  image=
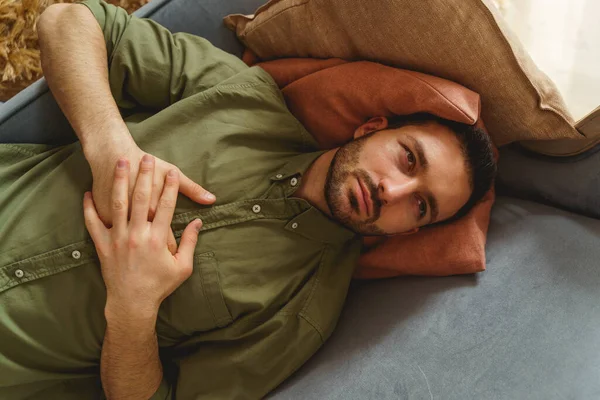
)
(151, 67)
(243, 366)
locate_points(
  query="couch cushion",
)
(465, 41)
(526, 328)
(572, 183)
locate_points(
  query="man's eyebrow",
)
(433, 205)
(424, 163)
(420, 153)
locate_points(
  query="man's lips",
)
(366, 197)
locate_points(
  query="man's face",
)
(395, 180)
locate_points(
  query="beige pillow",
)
(464, 41)
(588, 126)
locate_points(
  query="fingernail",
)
(121, 163)
(198, 225)
(173, 173)
(147, 158)
(209, 196)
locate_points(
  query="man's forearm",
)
(74, 60)
(130, 367)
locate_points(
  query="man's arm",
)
(139, 273)
(130, 366)
(149, 67)
(76, 46)
(74, 60)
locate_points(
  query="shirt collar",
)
(297, 165)
(312, 223)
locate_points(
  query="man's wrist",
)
(107, 145)
(127, 314)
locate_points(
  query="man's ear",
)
(374, 124)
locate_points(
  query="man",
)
(278, 244)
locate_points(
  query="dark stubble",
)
(344, 165)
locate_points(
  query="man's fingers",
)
(157, 187)
(194, 191)
(142, 193)
(187, 244)
(120, 198)
(172, 243)
(166, 204)
(93, 223)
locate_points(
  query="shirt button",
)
(19, 273)
(76, 254)
(294, 182)
(294, 225)
(279, 176)
(256, 208)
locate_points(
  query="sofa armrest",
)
(571, 183)
(568, 176)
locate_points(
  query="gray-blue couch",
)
(527, 328)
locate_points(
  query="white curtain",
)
(563, 38)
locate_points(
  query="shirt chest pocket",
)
(196, 306)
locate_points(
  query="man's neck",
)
(312, 188)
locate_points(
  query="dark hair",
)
(477, 149)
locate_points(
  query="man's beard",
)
(343, 166)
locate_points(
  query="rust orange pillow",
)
(333, 97)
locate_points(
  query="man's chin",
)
(360, 226)
(343, 212)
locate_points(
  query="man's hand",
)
(139, 272)
(102, 166)
(138, 269)
(74, 60)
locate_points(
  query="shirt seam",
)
(242, 85)
(313, 324)
(215, 225)
(205, 293)
(117, 46)
(303, 311)
(41, 273)
(207, 90)
(20, 149)
(48, 253)
(182, 216)
(307, 138)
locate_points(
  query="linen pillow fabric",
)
(464, 41)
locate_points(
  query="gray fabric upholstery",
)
(527, 328)
(572, 183)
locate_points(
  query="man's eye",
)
(422, 208)
(410, 157)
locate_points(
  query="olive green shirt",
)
(271, 272)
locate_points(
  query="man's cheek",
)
(390, 221)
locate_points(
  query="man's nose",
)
(395, 190)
